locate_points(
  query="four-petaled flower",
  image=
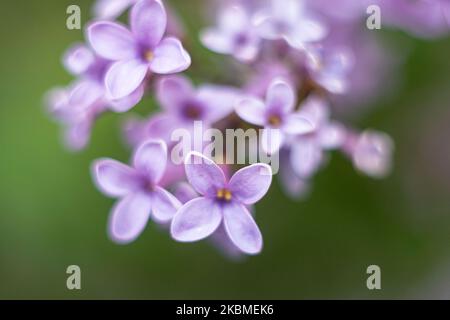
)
(235, 35)
(290, 21)
(276, 115)
(223, 202)
(138, 189)
(137, 52)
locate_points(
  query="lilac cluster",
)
(297, 61)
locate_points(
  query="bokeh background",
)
(51, 216)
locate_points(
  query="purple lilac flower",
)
(235, 35)
(223, 202)
(76, 108)
(371, 152)
(137, 187)
(138, 52)
(307, 151)
(289, 20)
(276, 115)
(293, 185)
(185, 104)
(330, 68)
(185, 193)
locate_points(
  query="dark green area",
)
(51, 216)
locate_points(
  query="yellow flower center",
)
(224, 194)
(274, 121)
(149, 55)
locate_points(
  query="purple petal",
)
(148, 22)
(241, 228)
(306, 31)
(297, 124)
(196, 220)
(170, 57)
(268, 28)
(251, 110)
(111, 9)
(203, 174)
(271, 140)
(111, 40)
(372, 154)
(164, 205)
(294, 186)
(124, 77)
(78, 59)
(217, 40)
(114, 178)
(151, 158)
(219, 101)
(77, 136)
(306, 157)
(126, 103)
(250, 184)
(129, 217)
(184, 192)
(173, 91)
(280, 97)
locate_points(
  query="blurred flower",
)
(139, 51)
(234, 35)
(291, 21)
(222, 201)
(276, 115)
(138, 189)
(371, 152)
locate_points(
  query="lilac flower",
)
(329, 68)
(307, 151)
(185, 104)
(235, 35)
(137, 52)
(137, 187)
(371, 152)
(290, 21)
(294, 186)
(276, 115)
(222, 202)
(76, 108)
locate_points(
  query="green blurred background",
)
(51, 216)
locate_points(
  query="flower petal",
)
(218, 101)
(151, 159)
(124, 77)
(111, 40)
(126, 103)
(113, 178)
(173, 91)
(242, 229)
(78, 59)
(203, 174)
(110, 9)
(129, 217)
(217, 41)
(297, 124)
(307, 30)
(280, 97)
(251, 110)
(196, 220)
(306, 157)
(248, 185)
(170, 57)
(272, 140)
(148, 22)
(164, 205)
